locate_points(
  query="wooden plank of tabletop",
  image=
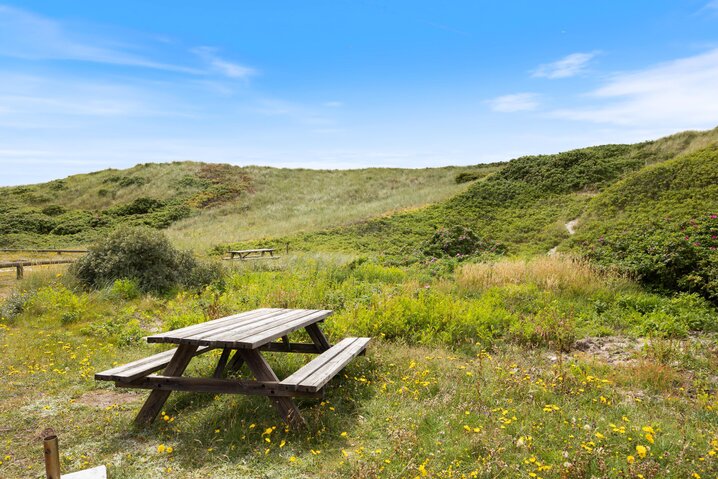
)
(263, 337)
(230, 331)
(209, 325)
(236, 323)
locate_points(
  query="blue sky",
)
(342, 84)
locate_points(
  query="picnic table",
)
(242, 338)
(259, 253)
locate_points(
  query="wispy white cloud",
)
(515, 102)
(711, 6)
(333, 104)
(26, 35)
(681, 94)
(569, 66)
(222, 66)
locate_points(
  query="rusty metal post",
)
(52, 457)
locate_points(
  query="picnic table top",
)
(248, 330)
(259, 250)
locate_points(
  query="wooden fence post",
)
(52, 457)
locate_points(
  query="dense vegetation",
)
(83, 208)
(146, 257)
(660, 224)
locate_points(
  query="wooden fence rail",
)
(58, 251)
(20, 265)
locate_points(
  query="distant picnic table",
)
(242, 338)
(259, 253)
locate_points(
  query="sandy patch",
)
(103, 398)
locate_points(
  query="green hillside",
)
(660, 224)
(218, 203)
(524, 206)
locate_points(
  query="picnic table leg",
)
(221, 363)
(157, 398)
(236, 362)
(263, 372)
(318, 338)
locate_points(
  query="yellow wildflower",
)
(641, 451)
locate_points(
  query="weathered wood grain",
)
(157, 398)
(215, 386)
(142, 367)
(318, 372)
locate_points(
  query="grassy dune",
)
(285, 202)
(206, 204)
(524, 206)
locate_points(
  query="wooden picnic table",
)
(245, 254)
(242, 338)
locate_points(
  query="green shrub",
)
(550, 326)
(54, 210)
(73, 222)
(140, 206)
(682, 258)
(466, 177)
(69, 317)
(13, 306)
(143, 255)
(458, 241)
(123, 329)
(57, 302)
(126, 289)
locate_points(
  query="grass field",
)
(471, 374)
(285, 202)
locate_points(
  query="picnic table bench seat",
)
(319, 371)
(142, 367)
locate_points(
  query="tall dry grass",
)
(556, 273)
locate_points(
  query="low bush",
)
(13, 306)
(459, 241)
(145, 256)
(126, 289)
(466, 177)
(682, 258)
